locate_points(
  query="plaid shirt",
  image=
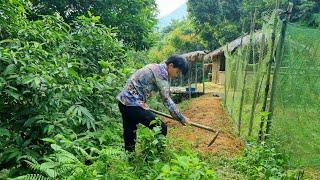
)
(145, 81)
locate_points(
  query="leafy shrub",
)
(186, 167)
(152, 143)
(111, 163)
(55, 79)
(262, 161)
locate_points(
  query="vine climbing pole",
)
(278, 59)
(247, 58)
(271, 57)
(251, 80)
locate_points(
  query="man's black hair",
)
(178, 62)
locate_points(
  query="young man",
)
(139, 87)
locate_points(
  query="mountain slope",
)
(177, 14)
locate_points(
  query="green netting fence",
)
(272, 88)
(296, 117)
(246, 80)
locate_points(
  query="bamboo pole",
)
(244, 82)
(266, 90)
(196, 75)
(203, 84)
(256, 87)
(245, 73)
(189, 81)
(225, 81)
(235, 82)
(278, 59)
(212, 72)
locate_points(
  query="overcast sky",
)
(167, 6)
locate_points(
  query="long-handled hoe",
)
(193, 124)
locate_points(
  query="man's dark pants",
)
(132, 116)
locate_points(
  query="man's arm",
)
(163, 87)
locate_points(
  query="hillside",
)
(177, 14)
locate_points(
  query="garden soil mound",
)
(207, 110)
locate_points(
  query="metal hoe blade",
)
(214, 138)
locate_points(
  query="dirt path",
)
(207, 110)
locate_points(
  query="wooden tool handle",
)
(161, 113)
(191, 123)
(202, 126)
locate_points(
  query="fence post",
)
(278, 60)
(235, 80)
(247, 56)
(267, 88)
(189, 80)
(256, 86)
(203, 74)
(196, 75)
(225, 78)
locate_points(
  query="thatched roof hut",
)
(194, 56)
(233, 45)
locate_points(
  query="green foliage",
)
(152, 161)
(31, 177)
(58, 112)
(59, 75)
(263, 161)
(57, 165)
(296, 113)
(178, 38)
(261, 9)
(295, 100)
(134, 20)
(111, 162)
(217, 22)
(152, 142)
(56, 80)
(9, 19)
(183, 37)
(139, 59)
(306, 12)
(186, 167)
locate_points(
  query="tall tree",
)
(134, 19)
(220, 21)
(216, 20)
(178, 38)
(307, 12)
